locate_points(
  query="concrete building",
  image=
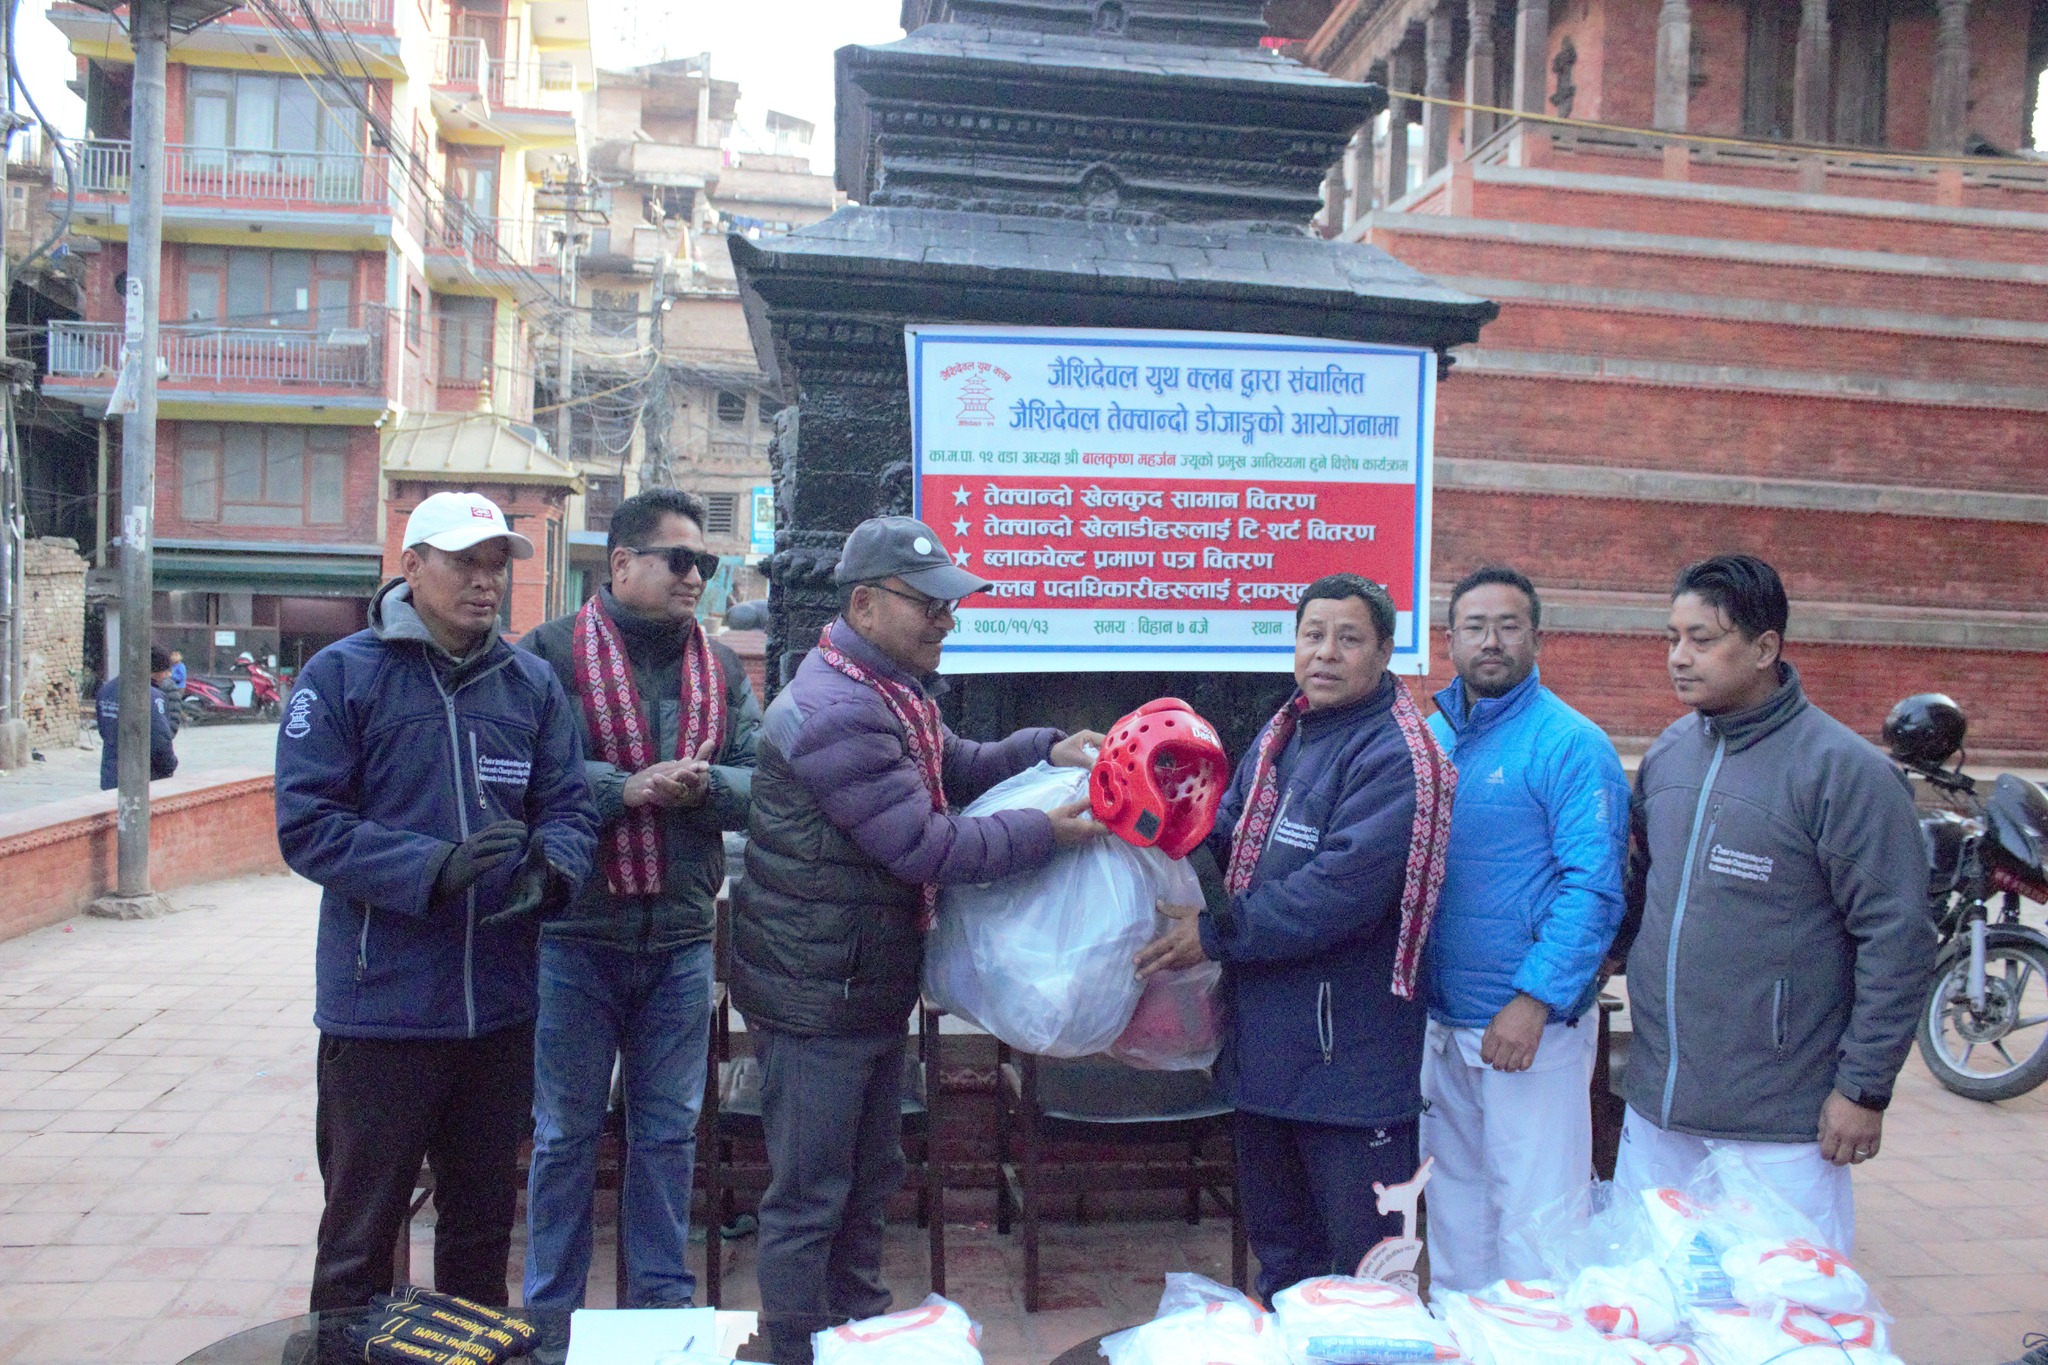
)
(355, 272)
(668, 390)
(1776, 309)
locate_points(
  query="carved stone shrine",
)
(1063, 163)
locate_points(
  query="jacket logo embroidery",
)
(1730, 862)
(299, 723)
(1294, 834)
(510, 772)
(1498, 777)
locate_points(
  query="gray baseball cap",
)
(905, 548)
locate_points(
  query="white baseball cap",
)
(456, 521)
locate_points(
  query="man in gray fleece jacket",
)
(1778, 909)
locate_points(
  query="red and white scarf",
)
(923, 737)
(633, 855)
(1435, 783)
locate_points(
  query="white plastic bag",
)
(1178, 1022)
(1771, 1252)
(1199, 1319)
(1687, 1243)
(1633, 1299)
(1787, 1334)
(1340, 1320)
(936, 1332)
(1541, 1293)
(1517, 1334)
(1043, 959)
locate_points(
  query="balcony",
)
(470, 249)
(500, 99)
(369, 24)
(316, 192)
(231, 366)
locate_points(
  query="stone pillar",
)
(1948, 121)
(1358, 177)
(1436, 83)
(1532, 56)
(1333, 201)
(1401, 76)
(1674, 65)
(1478, 71)
(1811, 85)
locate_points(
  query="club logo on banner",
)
(1160, 500)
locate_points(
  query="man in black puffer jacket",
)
(851, 838)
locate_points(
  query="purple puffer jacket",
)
(826, 932)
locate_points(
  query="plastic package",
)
(936, 1332)
(1200, 1320)
(1770, 1251)
(1043, 959)
(1686, 1249)
(1787, 1334)
(1340, 1320)
(1517, 1334)
(1177, 1025)
(1541, 1293)
(1633, 1299)
(1629, 1351)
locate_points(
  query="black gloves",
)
(538, 888)
(488, 848)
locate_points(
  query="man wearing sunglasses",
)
(851, 837)
(669, 720)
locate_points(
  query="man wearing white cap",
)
(430, 778)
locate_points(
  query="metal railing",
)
(223, 358)
(483, 241)
(465, 64)
(231, 175)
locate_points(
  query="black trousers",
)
(462, 1104)
(1309, 1206)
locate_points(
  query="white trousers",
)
(1505, 1144)
(1652, 1157)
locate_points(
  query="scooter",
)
(213, 698)
(1984, 1029)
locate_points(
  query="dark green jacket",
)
(684, 911)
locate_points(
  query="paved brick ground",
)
(157, 1188)
(201, 749)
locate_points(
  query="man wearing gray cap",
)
(851, 837)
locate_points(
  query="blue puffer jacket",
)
(390, 755)
(1312, 1029)
(1539, 839)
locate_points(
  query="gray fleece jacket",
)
(1777, 899)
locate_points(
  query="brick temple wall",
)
(53, 640)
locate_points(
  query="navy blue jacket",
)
(1312, 1028)
(163, 759)
(1539, 837)
(391, 754)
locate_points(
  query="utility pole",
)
(565, 360)
(13, 523)
(150, 31)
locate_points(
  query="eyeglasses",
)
(1511, 633)
(682, 559)
(934, 607)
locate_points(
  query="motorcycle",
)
(213, 698)
(1984, 1030)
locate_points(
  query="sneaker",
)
(2033, 1350)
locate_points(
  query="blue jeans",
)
(654, 1009)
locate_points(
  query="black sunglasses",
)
(934, 607)
(682, 559)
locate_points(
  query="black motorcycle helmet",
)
(1925, 729)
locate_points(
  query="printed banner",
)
(1160, 500)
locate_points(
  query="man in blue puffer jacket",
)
(430, 778)
(1532, 897)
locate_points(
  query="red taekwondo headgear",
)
(1160, 777)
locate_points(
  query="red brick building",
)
(1803, 329)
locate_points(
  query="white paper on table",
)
(657, 1336)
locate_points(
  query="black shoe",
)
(2033, 1350)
